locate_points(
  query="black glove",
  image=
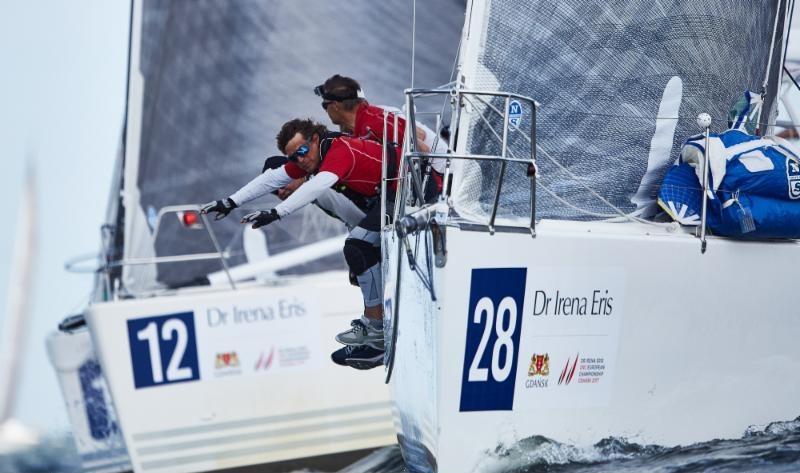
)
(261, 218)
(221, 207)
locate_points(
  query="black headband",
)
(320, 92)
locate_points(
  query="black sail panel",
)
(220, 77)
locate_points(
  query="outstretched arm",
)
(307, 192)
(270, 180)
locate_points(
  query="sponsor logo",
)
(226, 364)
(538, 371)
(265, 360)
(591, 370)
(293, 356)
(598, 303)
(238, 315)
(568, 372)
(514, 113)
(793, 175)
(284, 357)
(583, 370)
(494, 323)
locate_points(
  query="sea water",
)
(772, 448)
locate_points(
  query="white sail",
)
(14, 434)
(600, 72)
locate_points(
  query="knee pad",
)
(360, 255)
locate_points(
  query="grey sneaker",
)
(361, 334)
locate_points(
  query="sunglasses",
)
(301, 152)
(325, 104)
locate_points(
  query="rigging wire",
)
(772, 46)
(414, 38)
(791, 77)
(790, 9)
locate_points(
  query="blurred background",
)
(62, 91)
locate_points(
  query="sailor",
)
(346, 106)
(352, 166)
(348, 208)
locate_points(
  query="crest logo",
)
(540, 365)
(793, 175)
(227, 360)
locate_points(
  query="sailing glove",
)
(261, 218)
(221, 207)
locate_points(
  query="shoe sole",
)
(364, 364)
(371, 341)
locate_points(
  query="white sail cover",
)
(212, 81)
(620, 85)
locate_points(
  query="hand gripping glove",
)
(261, 218)
(221, 207)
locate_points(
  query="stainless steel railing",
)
(409, 178)
(221, 254)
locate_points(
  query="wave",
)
(774, 447)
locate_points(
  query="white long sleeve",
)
(270, 180)
(438, 164)
(307, 192)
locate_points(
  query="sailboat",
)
(206, 346)
(543, 295)
(14, 434)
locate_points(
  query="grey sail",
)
(620, 85)
(218, 78)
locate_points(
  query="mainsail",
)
(210, 84)
(620, 85)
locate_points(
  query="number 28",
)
(507, 310)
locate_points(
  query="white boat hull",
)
(244, 377)
(673, 346)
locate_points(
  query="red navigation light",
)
(190, 219)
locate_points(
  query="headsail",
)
(212, 81)
(13, 434)
(603, 73)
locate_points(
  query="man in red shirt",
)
(345, 105)
(353, 167)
